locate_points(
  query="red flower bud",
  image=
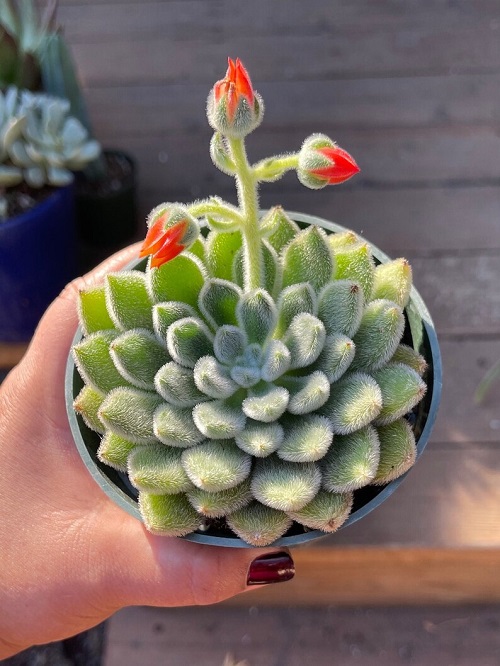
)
(234, 108)
(171, 231)
(322, 162)
(235, 84)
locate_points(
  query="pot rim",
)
(130, 505)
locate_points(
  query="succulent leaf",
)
(307, 439)
(271, 268)
(198, 249)
(355, 262)
(245, 376)
(95, 364)
(378, 335)
(305, 338)
(87, 404)
(278, 228)
(138, 356)
(259, 525)
(129, 412)
(340, 307)
(229, 343)
(352, 461)
(115, 450)
(283, 485)
(256, 314)
(336, 356)
(176, 385)
(307, 393)
(392, 281)
(175, 426)
(267, 404)
(307, 258)
(158, 469)
(92, 312)
(168, 515)
(218, 419)
(260, 439)
(402, 388)
(326, 512)
(165, 314)
(221, 503)
(217, 302)
(355, 401)
(188, 340)
(294, 300)
(128, 301)
(409, 356)
(220, 251)
(343, 239)
(216, 465)
(180, 279)
(213, 379)
(276, 361)
(398, 451)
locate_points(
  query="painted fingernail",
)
(271, 568)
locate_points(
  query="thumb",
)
(144, 569)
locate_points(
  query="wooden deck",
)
(412, 90)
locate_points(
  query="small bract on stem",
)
(255, 374)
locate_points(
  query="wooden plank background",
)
(412, 90)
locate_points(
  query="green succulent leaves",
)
(255, 406)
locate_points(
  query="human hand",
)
(70, 557)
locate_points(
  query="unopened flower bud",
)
(322, 162)
(171, 230)
(233, 107)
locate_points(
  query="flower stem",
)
(246, 185)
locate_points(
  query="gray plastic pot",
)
(419, 333)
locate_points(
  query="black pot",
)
(106, 210)
(419, 333)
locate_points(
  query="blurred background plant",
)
(40, 145)
(35, 56)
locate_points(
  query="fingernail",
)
(271, 568)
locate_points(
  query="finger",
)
(142, 569)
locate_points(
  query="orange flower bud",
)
(171, 230)
(322, 162)
(233, 107)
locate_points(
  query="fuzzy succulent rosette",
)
(254, 374)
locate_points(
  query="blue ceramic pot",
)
(419, 333)
(37, 259)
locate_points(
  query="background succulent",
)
(260, 377)
(39, 142)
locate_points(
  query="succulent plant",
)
(34, 55)
(254, 374)
(39, 142)
(24, 29)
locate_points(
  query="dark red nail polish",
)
(271, 568)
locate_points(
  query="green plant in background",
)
(255, 375)
(40, 143)
(24, 30)
(34, 55)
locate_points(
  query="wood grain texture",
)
(121, 110)
(324, 636)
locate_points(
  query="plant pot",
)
(106, 209)
(37, 259)
(419, 333)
